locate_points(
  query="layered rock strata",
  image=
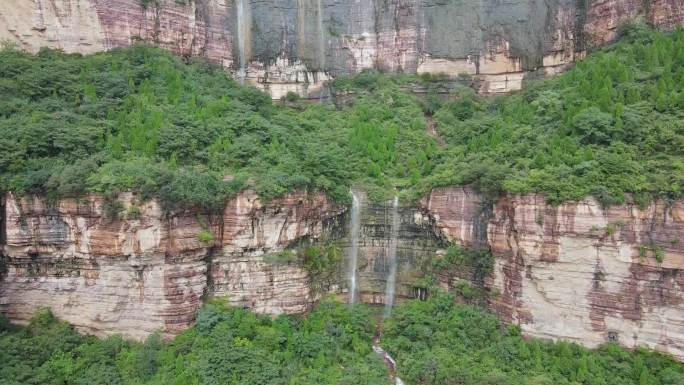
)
(416, 246)
(577, 271)
(130, 268)
(296, 45)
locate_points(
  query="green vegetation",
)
(140, 119)
(205, 236)
(434, 342)
(458, 258)
(322, 262)
(439, 342)
(332, 345)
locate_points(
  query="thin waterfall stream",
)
(243, 32)
(390, 285)
(321, 38)
(390, 288)
(354, 227)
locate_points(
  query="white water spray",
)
(390, 285)
(354, 227)
(244, 22)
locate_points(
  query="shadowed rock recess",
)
(295, 45)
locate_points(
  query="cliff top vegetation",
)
(140, 119)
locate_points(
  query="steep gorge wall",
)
(417, 244)
(149, 271)
(577, 271)
(295, 45)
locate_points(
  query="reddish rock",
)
(577, 271)
(148, 270)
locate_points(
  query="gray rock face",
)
(416, 246)
(295, 45)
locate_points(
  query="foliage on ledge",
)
(141, 119)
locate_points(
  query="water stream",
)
(390, 284)
(243, 32)
(389, 361)
(354, 227)
(321, 38)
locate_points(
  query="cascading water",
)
(392, 259)
(243, 32)
(321, 37)
(354, 227)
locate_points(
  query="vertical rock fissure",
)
(3, 238)
(580, 21)
(212, 251)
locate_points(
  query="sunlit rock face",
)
(296, 45)
(148, 270)
(577, 271)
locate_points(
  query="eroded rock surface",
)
(296, 45)
(416, 246)
(577, 271)
(149, 271)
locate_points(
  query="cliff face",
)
(148, 271)
(416, 246)
(295, 45)
(576, 271)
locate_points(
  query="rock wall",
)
(577, 271)
(148, 271)
(416, 246)
(295, 45)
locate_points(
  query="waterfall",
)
(392, 259)
(244, 23)
(354, 227)
(321, 38)
(389, 361)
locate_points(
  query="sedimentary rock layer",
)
(577, 271)
(416, 246)
(133, 269)
(295, 45)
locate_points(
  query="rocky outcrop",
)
(577, 271)
(252, 229)
(296, 45)
(129, 268)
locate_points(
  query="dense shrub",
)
(332, 345)
(439, 342)
(140, 119)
